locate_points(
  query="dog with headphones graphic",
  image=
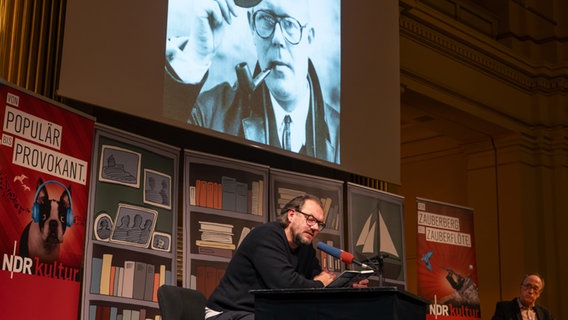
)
(43, 236)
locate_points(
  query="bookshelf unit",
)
(223, 200)
(376, 232)
(285, 185)
(131, 226)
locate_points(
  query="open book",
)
(348, 277)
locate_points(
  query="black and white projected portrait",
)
(267, 71)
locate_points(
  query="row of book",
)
(229, 194)
(99, 312)
(331, 212)
(328, 261)
(332, 217)
(217, 239)
(132, 279)
(206, 279)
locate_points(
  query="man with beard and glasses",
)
(275, 255)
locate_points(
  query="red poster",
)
(447, 269)
(44, 171)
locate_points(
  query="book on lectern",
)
(348, 277)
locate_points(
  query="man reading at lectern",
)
(286, 109)
(275, 255)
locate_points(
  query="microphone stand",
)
(381, 258)
(378, 263)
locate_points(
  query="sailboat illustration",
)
(383, 251)
(368, 235)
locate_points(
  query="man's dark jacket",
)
(510, 310)
(228, 109)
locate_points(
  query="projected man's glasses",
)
(264, 23)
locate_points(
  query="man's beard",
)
(299, 240)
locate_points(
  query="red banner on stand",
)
(447, 269)
(44, 170)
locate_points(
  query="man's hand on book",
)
(352, 279)
(361, 284)
(325, 277)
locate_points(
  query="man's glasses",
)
(529, 287)
(264, 23)
(311, 220)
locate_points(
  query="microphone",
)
(344, 256)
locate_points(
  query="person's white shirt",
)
(297, 126)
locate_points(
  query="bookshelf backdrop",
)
(223, 200)
(285, 185)
(376, 233)
(131, 235)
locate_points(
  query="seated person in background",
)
(275, 255)
(524, 306)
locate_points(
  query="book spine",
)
(200, 279)
(228, 186)
(156, 286)
(260, 197)
(113, 282)
(254, 198)
(120, 281)
(127, 286)
(127, 314)
(214, 244)
(241, 197)
(92, 312)
(139, 280)
(210, 280)
(209, 192)
(219, 252)
(168, 277)
(162, 274)
(192, 195)
(96, 268)
(105, 274)
(142, 315)
(113, 313)
(149, 283)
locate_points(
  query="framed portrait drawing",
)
(157, 189)
(120, 166)
(134, 225)
(102, 226)
(161, 241)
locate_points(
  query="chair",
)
(177, 303)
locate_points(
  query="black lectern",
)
(388, 303)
